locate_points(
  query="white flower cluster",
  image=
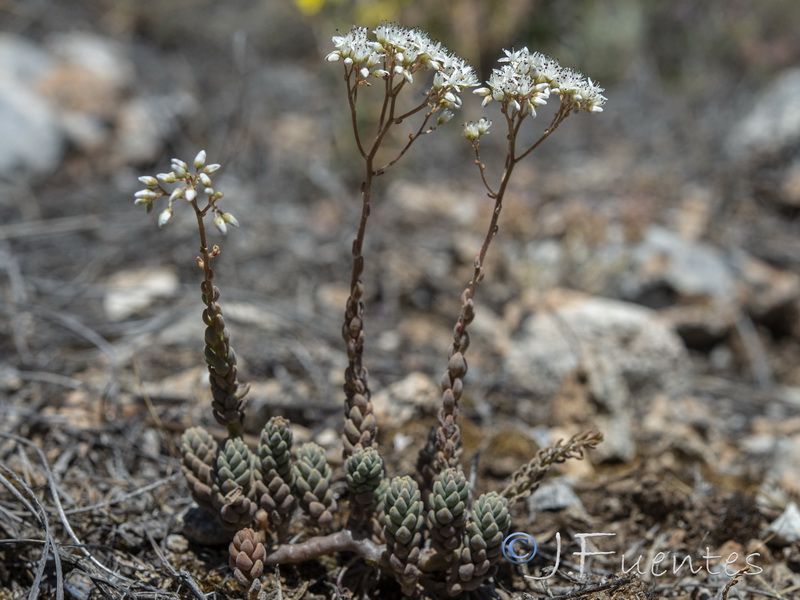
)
(180, 173)
(355, 48)
(473, 130)
(528, 79)
(403, 51)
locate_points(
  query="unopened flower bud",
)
(230, 219)
(219, 223)
(148, 180)
(179, 168)
(146, 195)
(444, 117)
(140, 201)
(205, 180)
(190, 194)
(177, 193)
(209, 169)
(200, 159)
(164, 217)
(167, 177)
(209, 191)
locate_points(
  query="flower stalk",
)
(520, 86)
(394, 57)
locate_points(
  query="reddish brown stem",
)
(448, 434)
(229, 381)
(316, 547)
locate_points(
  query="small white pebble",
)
(327, 437)
(177, 543)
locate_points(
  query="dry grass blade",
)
(39, 514)
(125, 497)
(183, 575)
(53, 487)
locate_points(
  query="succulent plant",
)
(233, 483)
(364, 473)
(274, 478)
(448, 511)
(312, 476)
(246, 556)
(403, 521)
(487, 527)
(199, 452)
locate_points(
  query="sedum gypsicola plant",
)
(428, 531)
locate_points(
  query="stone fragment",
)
(787, 526)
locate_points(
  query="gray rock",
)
(773, 123)
(689, 268)
(611, 395)
(176, 543)
(554, 495)
(787, 526)
(626, 353)
(146, 122)
(32, 139)
(88, 84)
(21, 60)
(48, 99)
(201, 528)
(414, 395)
(103, 56)
(620, 339)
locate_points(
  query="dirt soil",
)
(101, 367)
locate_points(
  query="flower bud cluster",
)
(475, 129)
(528, 78)
(192, 181)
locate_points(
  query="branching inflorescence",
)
(427, 532)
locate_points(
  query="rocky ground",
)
(645, 283)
